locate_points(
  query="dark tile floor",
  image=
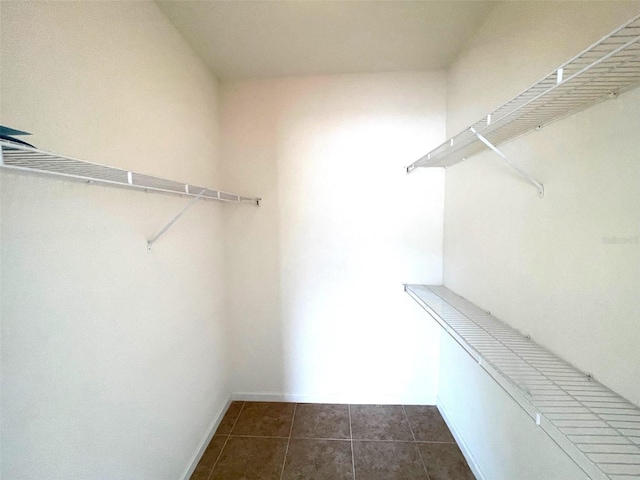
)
(287, 441)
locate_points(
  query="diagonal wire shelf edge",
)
(605, 69)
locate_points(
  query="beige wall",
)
(114, 359)
(541, 265)
(316, 302)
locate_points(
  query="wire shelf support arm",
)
(522, 173)
(174, 220)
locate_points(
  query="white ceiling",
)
(257, 39)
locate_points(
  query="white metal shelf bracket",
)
(174, 220)
(524, 174)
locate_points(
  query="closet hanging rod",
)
(21, 158)
(608, 67)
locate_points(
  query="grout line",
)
(415, 443)
(372, 440)
(342, 439)
(455, 443)
(226, 441)
(422, 460)
(409, 423)
(323, 439)
(353, 461)
(237, 418)
(286, 452)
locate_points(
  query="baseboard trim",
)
(336, 399)
(204, 443)
(284, 397)
(473, 465)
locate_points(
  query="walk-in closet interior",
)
(320, 240)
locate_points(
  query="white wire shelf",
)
(16, 157)
(597, 429)
(608, 67)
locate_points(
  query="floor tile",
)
(229, 418)
(318, 460)
(314, 420)
(265, 419)
(388, 461)
(320, 449)
(209, 457)
(444, 461)
(251, 458)
(427, 424)
(379, 422)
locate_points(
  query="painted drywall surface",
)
(316, 301)
(113, 358)
(564, 269)
(546, 266)
(501, 438)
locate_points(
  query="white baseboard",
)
(339, 399)
(473, 465)
(204, 443)
(285, 397)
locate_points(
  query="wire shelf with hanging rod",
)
(605, 69)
